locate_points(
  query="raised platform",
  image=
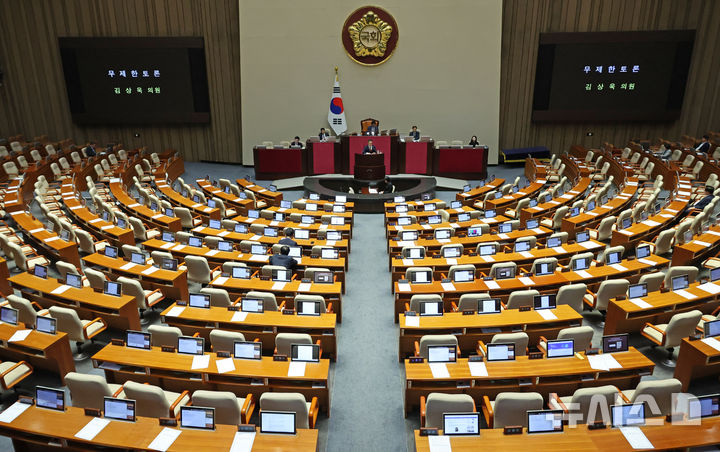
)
(411, 187)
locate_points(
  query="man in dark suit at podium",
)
(370, 148)
(415, 134)
(323, 135)
(373, 129)
(296, 143)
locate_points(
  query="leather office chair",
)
(656, 395)
(457, 268)
(494, 268)
(151, 401)
(469, 301)
(145, 299)
(520, 298)
(406, 251)
(556, 221)
(301, 298)
(228, 224)
(22, 162)
(27, 310)
(224, 211)
(186, 218)
(653, 280)
(418, 299)
(436, 404)
(581, 335)
(411, 270)
(64, 268)
(680, 231)
(670, 335)
(75, 157)
(572, 295)
(76, 329)
(25, 262)
(673, 272)
(602, 256)
(227, 266)
(367, 122)
(515, 213)
(89, 390)
(552, 262)
(246, 245)
(638, 210)
(444, 215)
(421, 347)
(12, 373)
(267, 270)
(140, 232)
(664, 242)
(95, 278)
(163, 335)
(223, 341)
(584, 398)
(305, 413)
(284, 341)
(218, 297)
(268, 298)
(510, 408)
(199, 270)
(603, 172)
(229, 409)
(608, 289)
(520, 340)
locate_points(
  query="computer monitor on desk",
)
(41, 271)
(504, 228)
(615, 343)
(50, 398)
(442, 353)
(9, 315)
(544, 268)
(464, 276)
(712, 328)
(247, 350)
(309, 308)
(197, 417)
(73, 280)
(302, 234)
(189, 345)
(461, 423)
(637, 291)
(487, 250)
(305, 352)
(545, 421)
(627, 415)
(323, 277)
(199, 300)
(613, 258)
(119, 409)
(137, 339)
(521, 246)
(544, 301)
(505, 273)
(277, 422)
(195, 242)
(252, 305)
(489, 306)
(421, 277)
(500, 352)
(431, 308)
(112, 288)
(404, 221)
(560, 348)
(680, 282)
(214, 224)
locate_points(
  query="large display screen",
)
(612, 76)
(136, 80)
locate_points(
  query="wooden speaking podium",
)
(369, 167)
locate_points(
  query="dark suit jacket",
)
(415, 135)
(296, 145)
(323, 136)
(704, 147)
(473, 143)
(703, 202)
(372, 130)
(90, 151)
(284, 261)
(287, 241)
(370, 150)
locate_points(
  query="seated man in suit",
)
(90, 149)
(704, 145)
(415, 134)
(323, 135)
(296, 143)
(283, 259)
(370, 148)
(288, 239)
(700, 205)
(373, 129)
(387, 185)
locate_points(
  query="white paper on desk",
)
(220, 281)
(537, 230)
(640, 303)
(624, 232)
(175, 311)
(454, 225)
(583, 274)
(492, 285)
(426, 226)
(155, 217)
(132, 206)
(13, 411)
(712, 232)
(487, 220)
(527, 281)
(592, 214)
(75, 207)
(167, 245)
(547, 314)
(239, 316)
(19, 335)
(647, 262)
(92, 428)
(685, 294)
(478, 369)
(128, 266)
(51, 239)
(526, 254)
(404, 287)
(709, 288)
(200, 362)
(150, 270)
(408, 262)
(651, 223)
(412, 321)
(223, 233)
(296, 369)
(259, 257)
(165, 439)
(588, 245)
(280, 285)
(106, 227)
(712, 342)
(566, 196)
(405, 243)
(487, 258)
(225, 365)
(212, 252)
(243, 442)
(199, 229)
(304, 287)
(179, 247)
(35, 231)
(443, 240)
(439, 370)
(93, 221)
(255, 238)
(666, 215)
(611, 362)
(398, 228)
(451, 261)
(274, 223)
(60, 289)
(618, 267)
(503, 236)
(597, 362)
(636, 438)
(698, 242)
(439, 443)
(448, 286)
(558, 249)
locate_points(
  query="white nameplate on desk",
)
(92, 428)
(526, 254)
(60, 289)
(279, 285)
(503, 236)
(167, 245)
(647, 262)
(19, 335)
(685, 294)
(448, 287)
(149, 270)
(618, 267)
(450, 261)
(487, 258)
(547, 314)
(698, 242)
(223, 233)
(259, 257)
(583, 274)
(439, 370)
(128, 266)
(588, 245)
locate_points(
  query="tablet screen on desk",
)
(281, 275)
(474, 232)
(279, 216)
(421, 277)
(241, 272)
(270, 232)
(199, 300)
(401, 208)
(398, 199)
(9, 315)
(323, 277)
(225, 246)
(455, 205)
(590, 206)
(309, 308)
(197, 417)
(626, 222)
(252, 305)
(111, 251)
(195, 241)
(560, 348)
(487, 250)
(582, 236)
(490, 213)
(338, 208)
(257, 249)
(544, 268)
(211, 203)
(532, 224)
(252, 213)
(189, 345)
(121, 223)
(247, 350)
(705, 406)
(504, 228)
(168, 237)
(553, 242)
(712, 328)
(119, 409)
(612, 258)
(545, 421)
(522, 245)
(415, 253)
(314, 196)
(429, 207)
(544, 301)
(466, 188)
(505, 273)
(41, 271)
(533, 203)
(329, 253)
(241, 228)
(642, 251)
(409, 236)
(464, 276)
(431, 308)
(137, 339)
(52, 399)
(442, 353)
(464, 216)
(113, 288)
(637, 291)
(680, 282)
(311, 207)
(631, 414)
(282, 422)
(286, 204)
(582, 263)
(434, 219)
(442, 234)
(65, 235)
(489, 306)
(715, 274)
(500, 352)
(214, 224)
(337, 220)
(137, 258)
(305, 352)
(461, 423)
(169, 212)
(46, 324)
(575, 211)
(307, 219)
(615, 343)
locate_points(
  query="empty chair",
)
(664, 242)
(421, 348)
(163, 335)
(437, 404)
(141, 234)
(669, 335)
(222, 341)
(672, 272)
(305, 413)
(580, 403)
(218, 297)
(581, 336)
(22, 161)
(302, 298)
(495, 267)
(556, 221)
(96, 278)
(549, 262)
(602, 257)
(11, 169)
(656, 395)
(89, 390)
(510, 408)
(469, 301)
(653, 280)
(145, 299)
(186, 218)
(64, 268)
(229, 409)
(418, 299)
(77, 330)
(151, 401)
(412, 270)
(603, 172)
(520, 340)
(12, 373)
(608, 289)
(27, 310)
(284, 341)
(268, 299)
(199, 270)
(637, 211)
(572, 295)
(459, 268)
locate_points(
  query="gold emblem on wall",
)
(370, 35)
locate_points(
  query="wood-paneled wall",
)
(33, 97)
(524, 20)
